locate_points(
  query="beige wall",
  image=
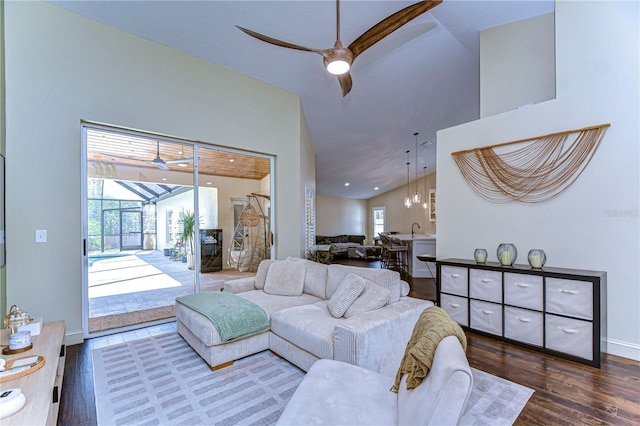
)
(337, 216)
(341, 216)
(595, 224)
(517, 65)
(399, 218)
(62, 68)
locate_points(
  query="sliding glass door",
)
(150, 237)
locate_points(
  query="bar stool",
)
(394, 254)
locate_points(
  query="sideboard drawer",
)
(523, 290)
(454, 280)
(570, 297)
(457, 307)
(523, 325)
(485, 285)
(486, 316)
(570, 336)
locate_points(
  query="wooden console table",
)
(43, 388)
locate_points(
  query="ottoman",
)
(222, 327)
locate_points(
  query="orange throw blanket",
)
(433, 325)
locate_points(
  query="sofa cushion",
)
(383, 277)
(337, 393)
(261, 273)
(373, 297)
(285, 278)
(309, 327)
(315, 276)
(272, 303)
(348, 291)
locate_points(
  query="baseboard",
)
(623, 349)
(74, 337)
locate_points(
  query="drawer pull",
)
(487, 311)
(569, 330)
(455, 275)
(525, 319)
(523, 285)
(455, 305)
(562, 290)
(486, 280)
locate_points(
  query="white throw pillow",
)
(285, 278)
(261, 273)
(404, 288)
(348, 291)
(372, 297)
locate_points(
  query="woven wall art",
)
(538, 171)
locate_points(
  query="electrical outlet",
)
(41, 235)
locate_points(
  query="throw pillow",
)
(261, 273)
(348, 291)
(373, 297)
(285, 278)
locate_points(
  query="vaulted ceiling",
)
(422, 78)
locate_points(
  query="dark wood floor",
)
(566, 393)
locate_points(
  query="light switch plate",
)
(41, 235)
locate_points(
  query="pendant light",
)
(407, 200)
(416, 197)
(425, 205)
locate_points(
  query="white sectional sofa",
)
(303, 327)
(335, 393)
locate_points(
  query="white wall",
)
(62, 68)
(517, 65)
(595, 224)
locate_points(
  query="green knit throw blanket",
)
(233, 316)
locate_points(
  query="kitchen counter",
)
(419, 244)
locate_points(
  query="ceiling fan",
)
(338, 59)
(162, 164)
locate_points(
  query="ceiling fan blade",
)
(345, 83)
(179, 160)
(277, 42)
(161, 166)
(389, 25)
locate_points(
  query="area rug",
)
(161, 380)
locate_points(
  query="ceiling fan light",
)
(338, 67)
(337, 60)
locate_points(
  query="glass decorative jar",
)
(507, 254)
(536, 258)
(480, 255)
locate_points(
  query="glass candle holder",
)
(480, 255)
(536, 258)
(507, 254)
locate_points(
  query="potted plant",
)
(188, 222)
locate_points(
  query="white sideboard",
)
(555, 310)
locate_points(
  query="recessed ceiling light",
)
(376, 188)
(346, 184)
(164, 178)
(231, 160)
(208, 183)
